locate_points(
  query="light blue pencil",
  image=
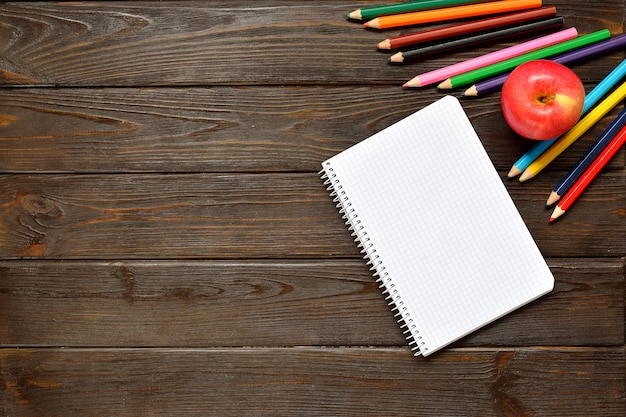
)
(590, 100)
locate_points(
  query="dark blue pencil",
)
(587, 159)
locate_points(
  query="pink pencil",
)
(491, 58)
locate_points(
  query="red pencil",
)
(465, 28)
(590, 173)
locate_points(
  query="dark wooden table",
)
(167, 248)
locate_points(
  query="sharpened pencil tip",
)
(413, 82)
(558, 212)
(354, 15)
(553, 198)
(386, 44)
(446, 85)
(374, 23)
(396, 58)
(526, 175)
(514, 172)
(471, 92)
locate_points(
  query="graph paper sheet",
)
(448, 245)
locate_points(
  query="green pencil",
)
(367, 13)
(473, 76)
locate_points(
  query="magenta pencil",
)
(491, 58)
(496, 83)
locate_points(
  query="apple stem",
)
(547, 98)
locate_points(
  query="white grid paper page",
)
(442, 223)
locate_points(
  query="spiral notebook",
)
(433, 218)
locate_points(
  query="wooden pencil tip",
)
(386, 44)
(397, 58)
(354, 15)
(446, 85)
(553, 198)
(414, 82)
(514, 172)
(471, 92)
(526, 175)
(374, 23)
(558, 212)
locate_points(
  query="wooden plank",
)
(166, 247)
(273, 303)
(226, 129)
(305, 382)
(245, 216)
(212, 42)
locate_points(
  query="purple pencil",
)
(495, 83)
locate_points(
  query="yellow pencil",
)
(574, 133)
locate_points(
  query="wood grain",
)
(217, 43)
(242, 216)
(305, 382)
(272, 303)
(167, 248)
(225, 129)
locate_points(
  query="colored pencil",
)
(497, 34)
(491, 58)
(367, 13)
(574, 133)
(495, 83)
(589, 175)
(455, 30)
(588, 158)
(590, 100)
(509, 64)
(487, 86)
(450, 13)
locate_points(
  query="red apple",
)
(542, 99)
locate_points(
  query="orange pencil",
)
(449, 13)
(590, 173)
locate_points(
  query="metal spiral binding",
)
(358, 232)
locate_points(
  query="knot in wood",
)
(41, 207)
